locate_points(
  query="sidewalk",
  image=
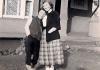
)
(83, 54)
(75, 59)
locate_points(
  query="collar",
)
(50, 11)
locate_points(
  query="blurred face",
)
(46, 6)
(41, 14)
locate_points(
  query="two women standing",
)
(50, 51)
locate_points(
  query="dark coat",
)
(35, 28)
(53, 20)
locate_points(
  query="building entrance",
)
(80, 8)
(58, 6)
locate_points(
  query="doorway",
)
(58, 6)
(75, 9)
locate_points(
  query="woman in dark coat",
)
(51, 51)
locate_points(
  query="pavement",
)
(12, 63)
(84, 54)
(75, 59)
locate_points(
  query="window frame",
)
(19, 12)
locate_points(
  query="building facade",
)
(14, 14)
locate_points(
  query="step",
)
(81, 38)
(71, 42)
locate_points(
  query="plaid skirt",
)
(51, 53)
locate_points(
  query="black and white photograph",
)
(49, 35)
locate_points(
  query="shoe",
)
(52, 68)
(67, 47)
(28, 67)
(47, 68)
(33, 68)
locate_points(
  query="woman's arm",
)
(27, 31)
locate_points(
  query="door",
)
(80, 8)
(58, 6)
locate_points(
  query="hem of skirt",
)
(51, 64)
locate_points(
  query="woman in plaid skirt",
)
(51, 52)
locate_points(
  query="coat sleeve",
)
(58, 23)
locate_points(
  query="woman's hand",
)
(52, 30)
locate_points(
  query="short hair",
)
(50, 3)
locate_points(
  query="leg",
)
(28, 43)
(52, 67)
(47, 67)
(36, 47)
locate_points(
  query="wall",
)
(80, 24)
(94, 27)
(64, 18)
(12, 27)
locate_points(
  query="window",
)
(17, 8)
(79, 4)
(12, 7)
